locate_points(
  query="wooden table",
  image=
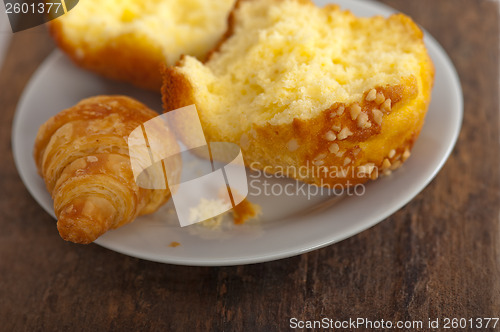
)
(438, 257)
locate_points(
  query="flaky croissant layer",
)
(83, 156)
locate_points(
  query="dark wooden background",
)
(437, 257)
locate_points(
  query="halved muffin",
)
(315, 93)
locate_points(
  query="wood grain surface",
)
(437, 257)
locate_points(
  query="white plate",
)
(289, 225)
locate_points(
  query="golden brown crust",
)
(269, 147)
(82, 154)
(176, 89)
(123, 58)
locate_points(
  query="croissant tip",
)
(80, 228)
(74, 232)
(84, 219)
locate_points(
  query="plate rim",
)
(284, 253)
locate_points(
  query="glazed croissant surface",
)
(83, 156)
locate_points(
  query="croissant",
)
(82, 154)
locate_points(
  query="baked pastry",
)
(82, 154)
(314, 93)
(127, 40)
